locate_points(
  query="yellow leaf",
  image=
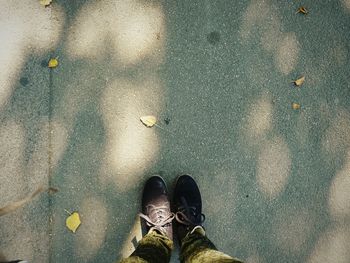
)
(149, 121)
(302, 10)
(53, 62)
(73, 222)
(295, 106)
(299, 81)
(45, 2)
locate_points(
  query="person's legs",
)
(156, 246)
(152, 248)
(195, 246)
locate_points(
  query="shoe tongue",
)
(161, 201)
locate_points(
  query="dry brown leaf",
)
(299, 81)
(12, 207)
(45, 2)
(295, 106)
(302, 10)
(53, 62)
(149, 120)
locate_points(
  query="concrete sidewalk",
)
(218, 76)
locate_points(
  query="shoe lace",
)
(158, 217)
(187, 215)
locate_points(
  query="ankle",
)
(199, 230)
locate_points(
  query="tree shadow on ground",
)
(224, 90)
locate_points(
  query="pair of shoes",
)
(187, 206)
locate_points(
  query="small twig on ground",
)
(12, 207)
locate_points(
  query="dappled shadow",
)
(27, 36)
(131, 30)
(109, 151)
(131, 148)
(274, 181)
(25, 29)
(346, 4)
(263, 19)
(264, 169)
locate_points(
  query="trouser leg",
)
(196, 247)
(152, 248)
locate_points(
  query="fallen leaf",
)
(299, 81)
(73, 222)
(149, 121)
(45, 2)
(53, 62)
(302, 10)
(11, 207)
(295, 106)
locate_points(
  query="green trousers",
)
(196, 247)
